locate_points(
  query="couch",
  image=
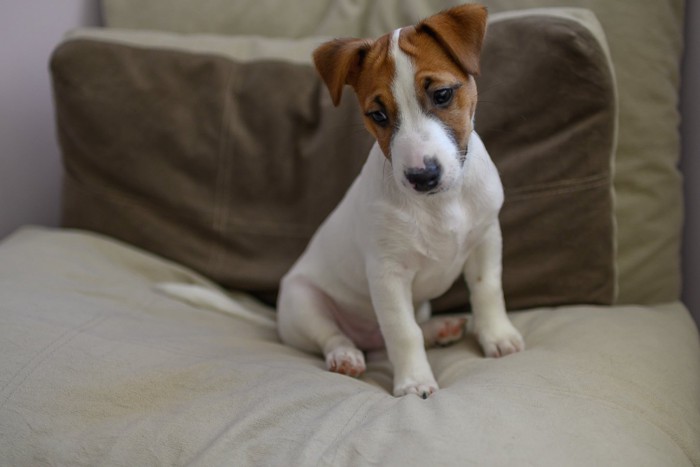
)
(199, 146)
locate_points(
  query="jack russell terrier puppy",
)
(423, 210)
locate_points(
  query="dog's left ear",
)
(339, 62)
(460, 30)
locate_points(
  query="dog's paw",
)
(346, 361)
(423, 389)
(443, 331)
(500, 340)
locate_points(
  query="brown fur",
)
(445, 49)
(435, 70)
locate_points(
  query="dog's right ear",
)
(460, 30)
(339, 63)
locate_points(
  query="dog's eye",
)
(379, 117)
(442, 97)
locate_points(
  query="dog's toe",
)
(451, 331)
(501, 341)
(346, 361)
(443, 331)
(422, 390)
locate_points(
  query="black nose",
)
(425, 179)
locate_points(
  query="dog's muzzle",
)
(426, 178)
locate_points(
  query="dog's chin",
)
(444, 188)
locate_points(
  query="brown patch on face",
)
(367, 66)
(374, 93)
(437, 75)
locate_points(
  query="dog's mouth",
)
(445, 185)
(433, 177)
(430, 160)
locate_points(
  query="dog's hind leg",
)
(438, 330)
(442, 330)
(305, 321)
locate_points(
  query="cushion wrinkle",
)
(225, 156)
(554, 189)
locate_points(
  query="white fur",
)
(386, 250)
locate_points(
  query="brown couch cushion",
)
(228, 166)
(646, 44)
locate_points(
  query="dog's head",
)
(417, 91)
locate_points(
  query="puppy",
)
(423, 210)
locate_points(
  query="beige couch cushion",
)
(98, 369)
(187, 147)
(645, 42)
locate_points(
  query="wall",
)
(29, 157)
(690, 162)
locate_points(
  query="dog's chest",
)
(443, 240)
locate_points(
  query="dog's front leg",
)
(496, 334)
(390, 288)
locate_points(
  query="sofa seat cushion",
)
(98, 368)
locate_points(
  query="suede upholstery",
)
(229, 166)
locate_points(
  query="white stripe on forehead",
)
(403, 87)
